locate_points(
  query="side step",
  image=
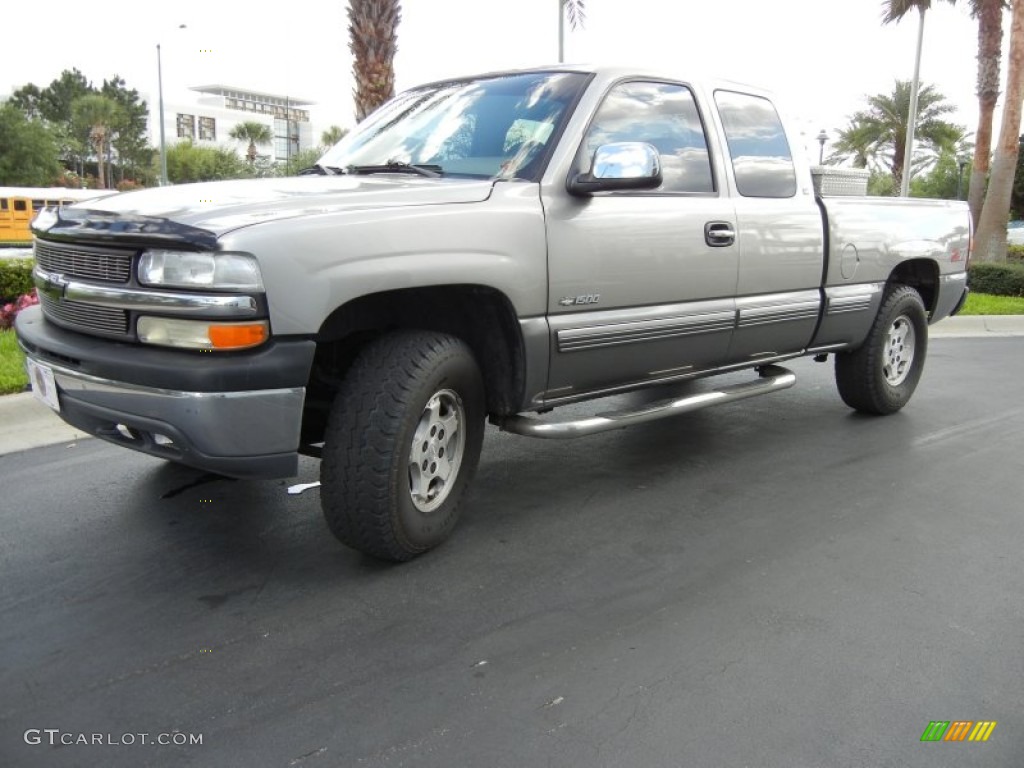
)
(773, 378)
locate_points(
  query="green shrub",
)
(998, 279)
(1015, 253)
(15, 278)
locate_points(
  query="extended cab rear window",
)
(761, 158)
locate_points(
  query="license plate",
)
(43, 386)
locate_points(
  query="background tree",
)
(188, 163)
(129, 145)
(876, 137)
(26, 99)
(990, 238)
(257, 134)
(28, 151)
(989, 14)
(942, 181)
(304, 158)
(894, 10)
(130, 134)
(332, 135)
(880, 184)
(373, 40)
(99, 114)
(574, 11)
(856, 144)
(53, 105)
(1017, 197)
(56, 99)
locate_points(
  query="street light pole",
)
(160, 91)
(908, 152)
(163, 141)
(961, 163)
(561, 31)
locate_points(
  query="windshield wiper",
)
(397, 166)
(321, 170)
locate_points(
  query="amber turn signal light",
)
(237, 336)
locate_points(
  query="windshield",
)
(483, 128)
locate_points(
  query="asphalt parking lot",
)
(777, 582)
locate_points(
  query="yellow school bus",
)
(19, 205)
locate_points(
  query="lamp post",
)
(163, 141)
(915, 85)
(961, 163)
(822, 138)
(160, 91)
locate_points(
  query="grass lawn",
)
(12, 365)
(987, 304)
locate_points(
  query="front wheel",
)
(881, 375)
(403, 440)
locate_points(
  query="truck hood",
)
(207, 210)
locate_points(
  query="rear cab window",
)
(762, 162)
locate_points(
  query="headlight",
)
(202, 334)
(200, 269)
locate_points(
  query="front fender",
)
(314, 264)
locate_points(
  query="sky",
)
(821, 57)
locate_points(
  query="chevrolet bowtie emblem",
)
(55, 285)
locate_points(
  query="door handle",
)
(718, 234)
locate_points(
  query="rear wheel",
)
(882, 374)
(402, 442)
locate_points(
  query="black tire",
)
(880, 376)
(407, 386)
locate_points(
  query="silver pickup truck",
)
(495, 246)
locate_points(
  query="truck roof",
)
(613, 72)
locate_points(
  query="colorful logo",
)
(958, 730)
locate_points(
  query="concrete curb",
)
(26, 423)
(973, 326)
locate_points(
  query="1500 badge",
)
(587, 298)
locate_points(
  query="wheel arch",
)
(923, 276)
(480, 315)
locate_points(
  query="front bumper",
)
(238, 415)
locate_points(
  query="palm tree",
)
(372, 26)
(253, 132)
(878, 135)
(332, 135)
(97, 114)
(575, 11)
(990, 239)
(894, 10)
(856, 143)
(989, 14)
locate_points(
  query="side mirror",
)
(622, 165)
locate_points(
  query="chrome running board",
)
(772, 378)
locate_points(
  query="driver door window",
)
(665, 116)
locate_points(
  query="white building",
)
(219, 108)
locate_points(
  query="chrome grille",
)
(105, 265)
(87, 318)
